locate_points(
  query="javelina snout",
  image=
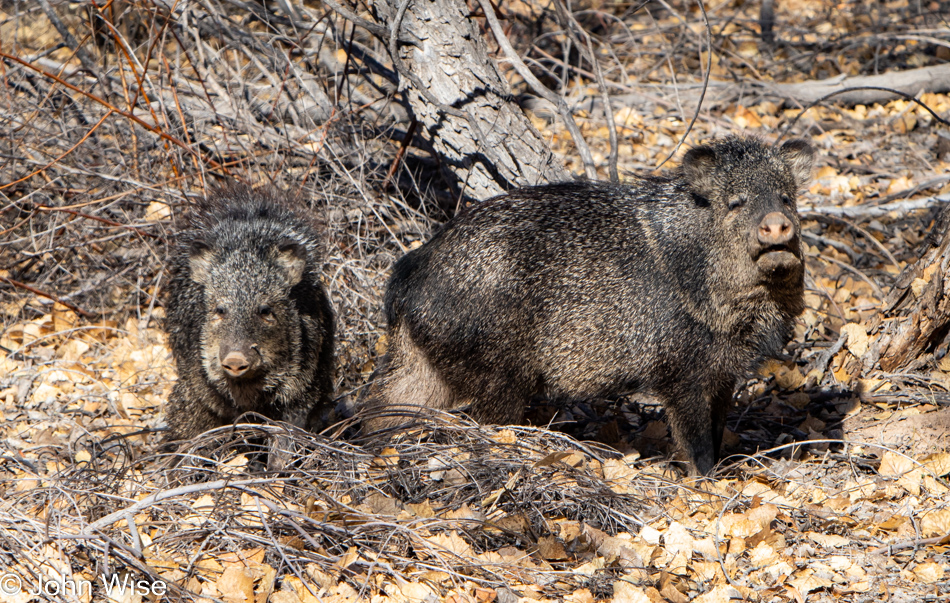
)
(775, 230)
(777, 248)
(239, 354)
(239, 362)
(679, 286)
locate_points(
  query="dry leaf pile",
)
(454, 511)
(447, 511)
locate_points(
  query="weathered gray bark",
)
(484, 141)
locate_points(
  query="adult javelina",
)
(675, 285)
(250, 326)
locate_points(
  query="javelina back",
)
(250, 325)
(678, 285)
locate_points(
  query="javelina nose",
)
(775, 229)
(237, 362)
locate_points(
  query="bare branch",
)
(702, 94)
(540, 89)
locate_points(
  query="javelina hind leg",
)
(407, 383)
(498, 399)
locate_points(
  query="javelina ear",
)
(199, 258)
(800, 156)
(698, 167)
(292, 257)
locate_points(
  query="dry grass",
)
(162, 515)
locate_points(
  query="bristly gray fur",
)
(588, 289)
(246, 272)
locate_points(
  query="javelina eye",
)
(220, 311)
(265, 311)
(787, 200)
(737, 202)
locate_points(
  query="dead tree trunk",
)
(916, 313)
(484, 141)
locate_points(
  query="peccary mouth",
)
(777, 260)
(253, 380)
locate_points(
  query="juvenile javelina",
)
(250, 326)
(680, 286)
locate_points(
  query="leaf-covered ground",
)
(837, 484)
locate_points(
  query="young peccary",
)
(680, 286)
(250, 326)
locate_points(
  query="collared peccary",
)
(250, 325)
(679, 286)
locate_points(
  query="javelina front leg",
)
(502, 411)
(296, 416)
(693, 424)
(498, 400)
(280, 453)
(187, 419)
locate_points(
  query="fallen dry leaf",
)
(806, 582)
(449, 541)
(722, 593)
(624, 592)
(894, 464)
(750, 523)
(236, 584)
(929, 573)
(828, 540)
(935, 523)
(549, 548)
(938, 463)
(858, 340)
